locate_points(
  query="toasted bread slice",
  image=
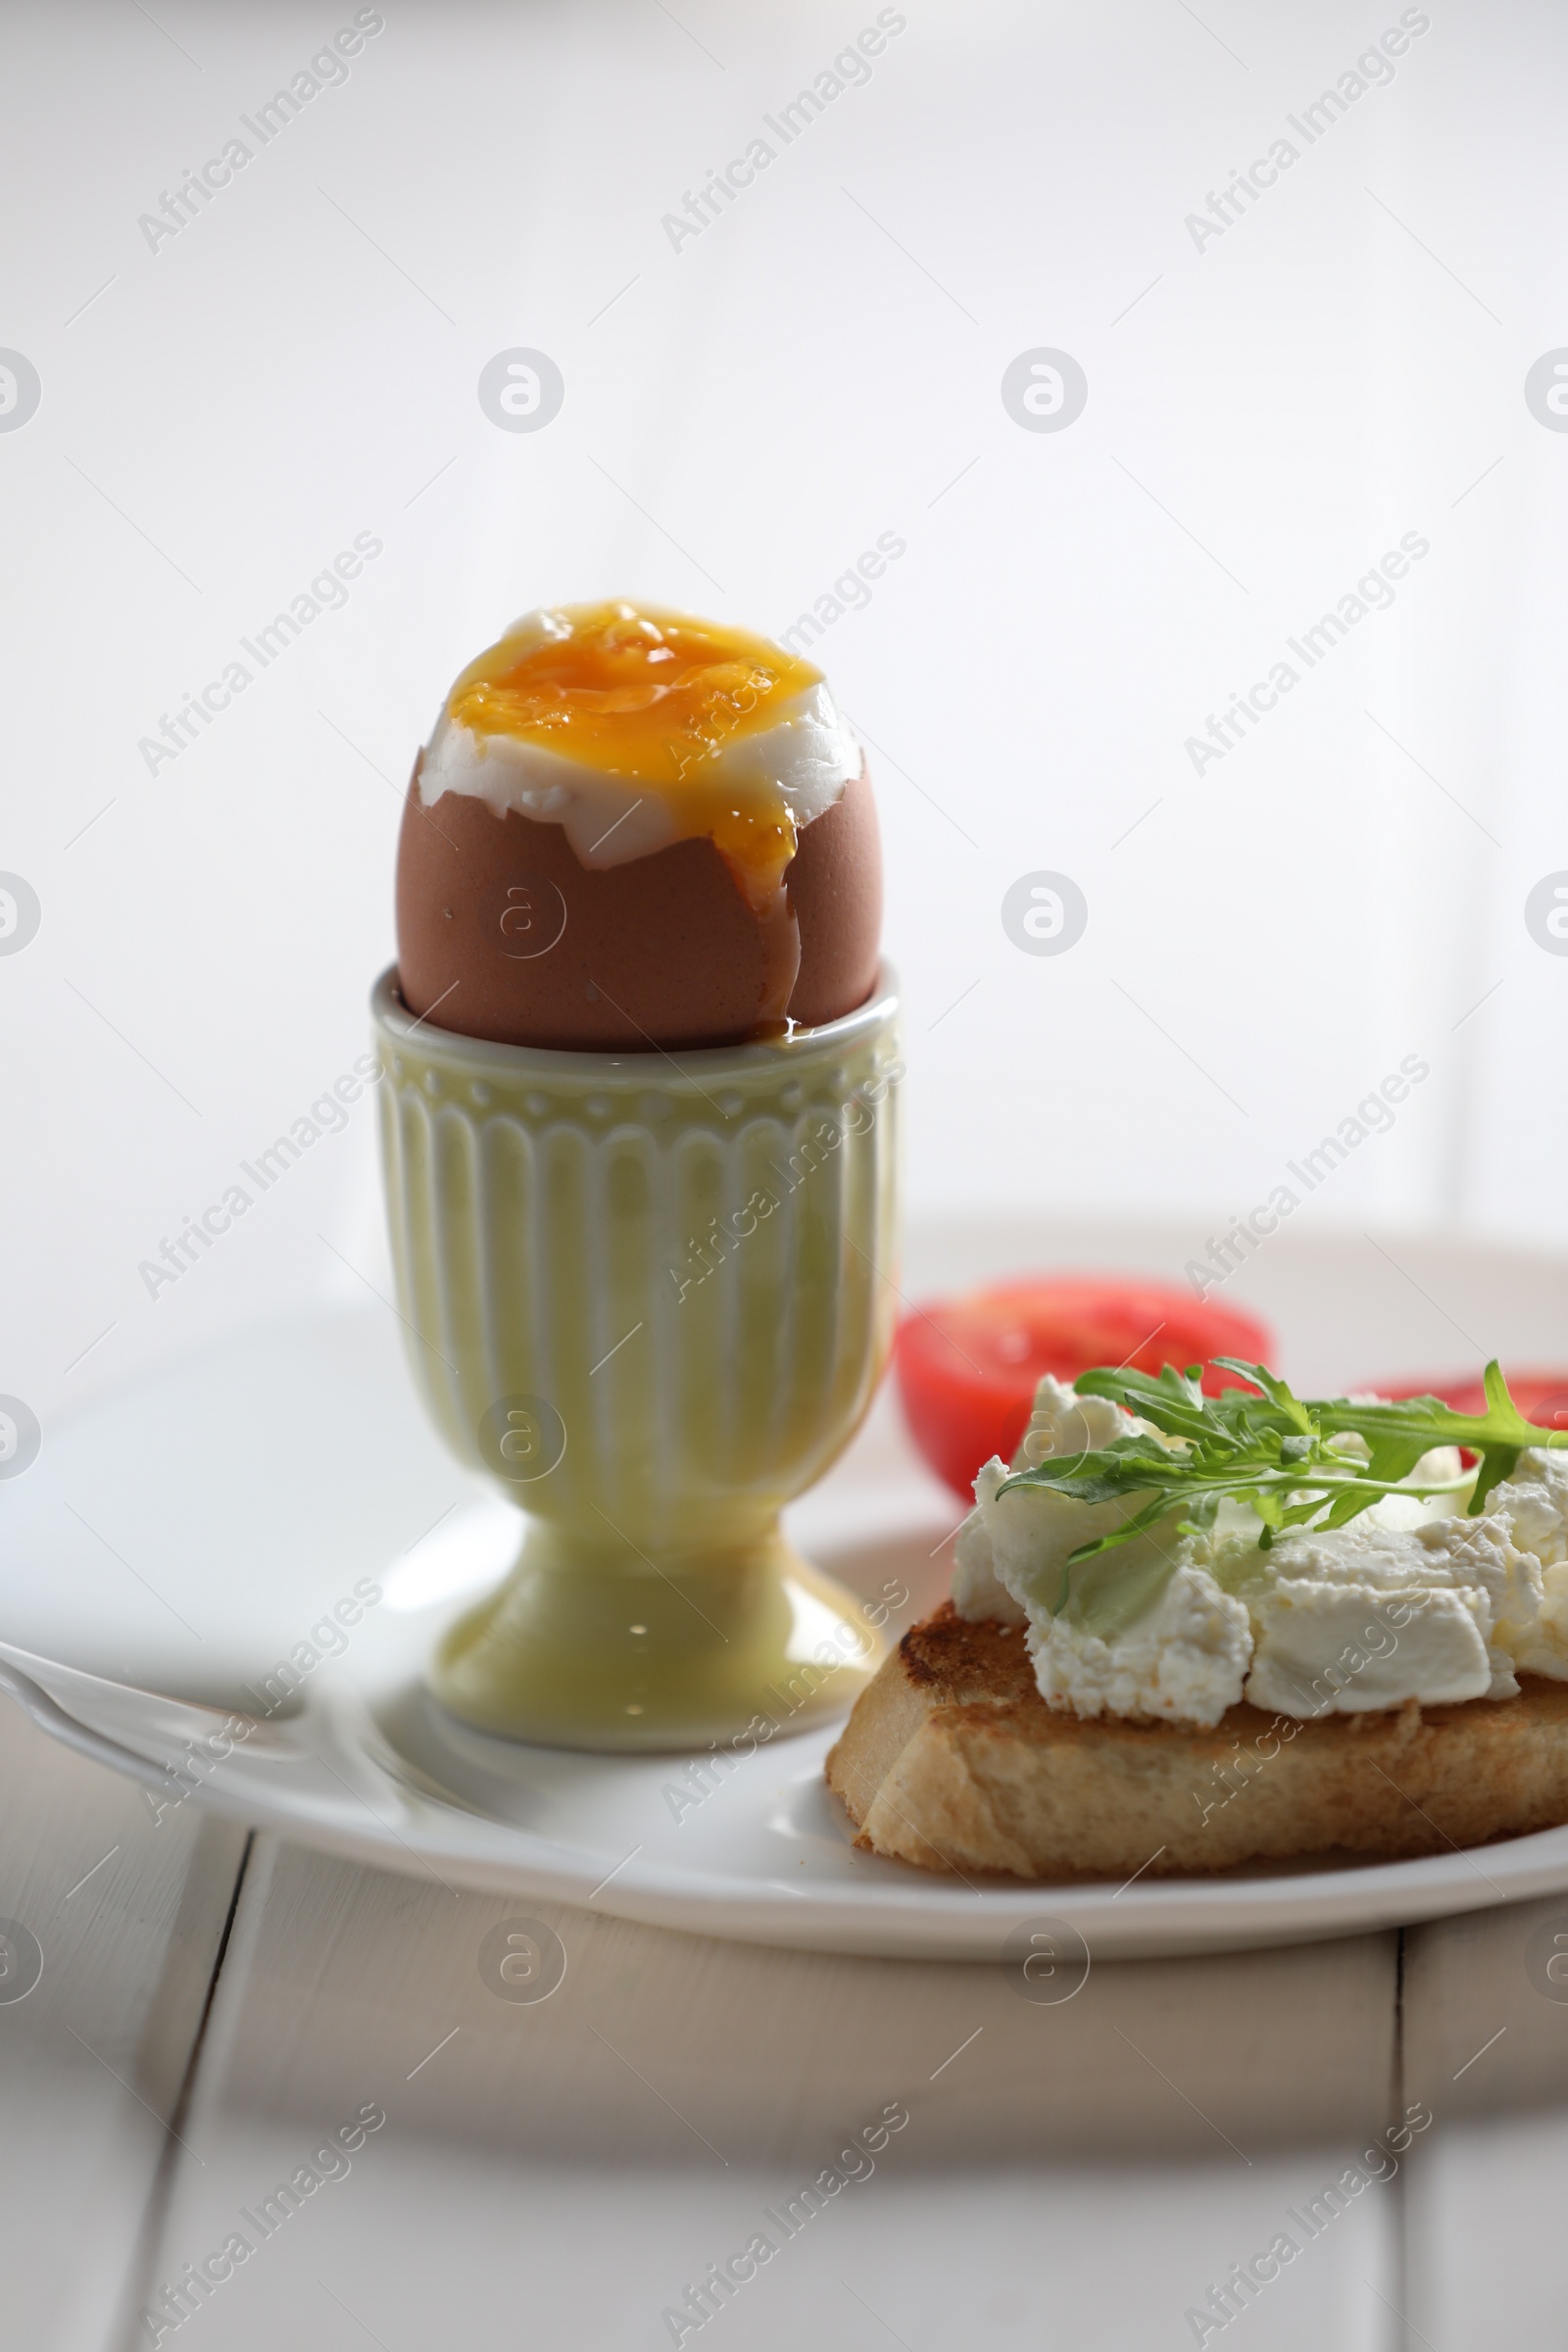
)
(953, 1760)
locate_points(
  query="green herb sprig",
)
(1281, 1455)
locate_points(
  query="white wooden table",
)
(213, 2008)
(564, 2174)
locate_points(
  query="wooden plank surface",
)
(128, 1912)
(563, 2171)
(1486, 2042)
(1082, 2170)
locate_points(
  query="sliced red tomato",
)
(1542, 1396)
(967, 1368)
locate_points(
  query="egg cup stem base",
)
(579, 1651)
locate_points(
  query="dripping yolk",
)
(657, 698)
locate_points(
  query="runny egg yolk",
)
(656, 698)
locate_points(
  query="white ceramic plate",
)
(174, 1541)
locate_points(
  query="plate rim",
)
(924, 1920)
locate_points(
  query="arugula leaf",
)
(1286, 1458)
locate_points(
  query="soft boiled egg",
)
(631, 827)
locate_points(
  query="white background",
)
(742, 417)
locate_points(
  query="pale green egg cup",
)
(651, 1296)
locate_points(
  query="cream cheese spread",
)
(1411, 1601)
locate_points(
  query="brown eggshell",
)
(501, 933)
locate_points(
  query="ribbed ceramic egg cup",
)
(649, 1295)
